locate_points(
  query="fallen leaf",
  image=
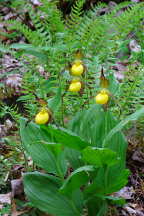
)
(134, 46)
(124, 213)
(5, 198)
(17, 187)
(10, 15)
(13, 81)
(126, 193)
(36, 2)
(130, 210)
(5, 128)
(135, 1)
(119, 76)
(138, 155)
(5, 10)
(119, 68)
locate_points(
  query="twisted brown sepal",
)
(105, 107)
(78, 54)
(104, 83)
(43, 103)
(81, 92)
(50, 116)
(68, 67)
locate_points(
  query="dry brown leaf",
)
(1, 206)
(133, 210)
(134, 46)
(126, 193)
(138, 155)
(36, 2)
(119, 68)
(5, 198)
(135, 1)
(17, 187)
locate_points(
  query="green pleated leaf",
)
(42, 191)
(97, 207)
(77, 179)
(83, 125)
(99, 156)
(94, 125)
(116, 200)
(66, 137)
(78, 199)
(47, 155)
(105, 184)
(74, 158)
(117, 181)
(119, 126)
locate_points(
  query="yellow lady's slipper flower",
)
(42, 117)
(102, 97)
(75, 86)
(77, 68)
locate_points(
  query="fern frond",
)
(132, 95)
(4, 48)
(92, 27)
(34, 37)
(101, 31)
(128, 20)
(41, 27)
(75, 15)
(53, 17)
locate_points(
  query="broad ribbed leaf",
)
(94, 125)
(45, 154)
(74, 158)
(99, 156)
(42, 191)
(105, 184)
(97, 207)
(66, 137)
(116, 200)
(119, 126)
(83, 122)
(77, 179)
(78, 199)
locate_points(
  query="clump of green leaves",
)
(52, 40)
(92, 147)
